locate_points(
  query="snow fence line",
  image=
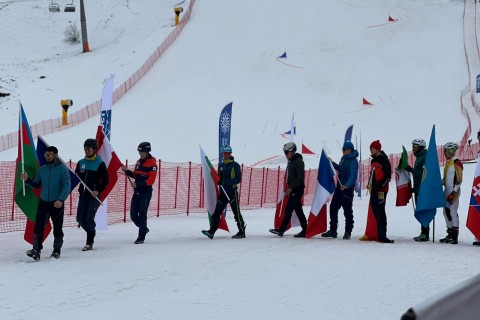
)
(457, 302)
(45, 127)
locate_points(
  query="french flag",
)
(317, 220)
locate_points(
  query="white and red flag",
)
(108, 155)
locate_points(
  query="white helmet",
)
(451, 146)
(290, 147)
(419, 142)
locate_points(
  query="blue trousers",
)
(139, 208)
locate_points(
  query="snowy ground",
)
(227, 52)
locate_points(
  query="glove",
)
(451, 197)
(220, 183)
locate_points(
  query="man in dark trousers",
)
(54, 179)
(420, 152)
(230, 176)
(145, 173)
(382, 172)
(295, 190)
(92, 171)
(343, 195)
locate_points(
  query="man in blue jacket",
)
(54, 179)
(343, 195)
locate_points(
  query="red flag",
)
(305, 150)
(113, 163)
(366, 102)
(473, 218)
(281, 205)
(371, 231)
(29, 228)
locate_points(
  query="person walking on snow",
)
(54, 179)
(452, 180)
(295, 190)
(93, 172)
(382, 171)
(343, 195)
(420, 153)
(230, 176)
(145, 173)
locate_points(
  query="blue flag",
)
(224, 128)
(41, 148)
(430, 195)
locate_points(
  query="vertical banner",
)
(224, 128)
(348, 134)
(106, 121)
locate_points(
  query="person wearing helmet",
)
(343, 194)
(420, 152)
(144, 175)
(54, 180)
(379, 182)
(230, 175)
(294, 191)
(93, 173)
(452, 180)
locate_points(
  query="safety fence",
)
(179, 189)
(45, 127)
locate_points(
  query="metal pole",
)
(83, 23)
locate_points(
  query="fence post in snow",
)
(188, 192)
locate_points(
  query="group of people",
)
(54, 180)
(381, 172)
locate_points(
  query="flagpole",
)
(21, 145)
(334, 171)
(86, 187)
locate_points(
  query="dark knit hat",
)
(376, 145)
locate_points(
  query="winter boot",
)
(476, 243)
(385, 240)
(88, 247)
(278, 232)
(239, 235)
(421, 238)
(301, 234)
(208, 234)
(329, 234)
(454, 239)
(55, 254)
(32, 253)
(139, 240)
(448, 237)
(347, 236)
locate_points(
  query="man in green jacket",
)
(54, 179)
(420, 153)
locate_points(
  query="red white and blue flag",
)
(317, 220)
(473, 218)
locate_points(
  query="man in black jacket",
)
(294, 191)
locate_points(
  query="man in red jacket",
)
(145, 173)
(382, 172)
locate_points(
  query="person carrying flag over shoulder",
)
(92, 171)
(295, 190)
(230, 175)
(382, 173)
(54, 179)
(343, 195)
(420, 152)
(452, 180)
(145, 174)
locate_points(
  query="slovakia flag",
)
(473, 218)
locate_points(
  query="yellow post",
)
(65, 103)
(177, 11)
